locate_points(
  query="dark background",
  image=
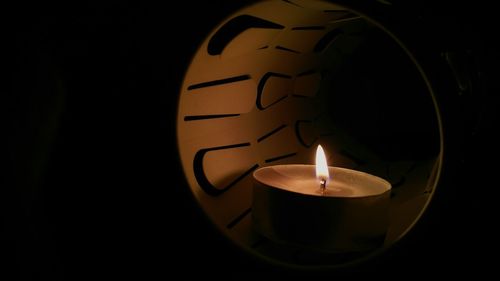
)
(93, 186)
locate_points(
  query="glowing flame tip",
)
(321, 165)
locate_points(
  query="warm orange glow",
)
(321, 165)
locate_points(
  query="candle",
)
(324, 208)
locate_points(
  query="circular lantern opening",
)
(276, 79)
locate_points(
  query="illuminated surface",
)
(279, 77)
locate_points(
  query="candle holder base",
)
(329, 224)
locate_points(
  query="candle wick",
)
(322, 183)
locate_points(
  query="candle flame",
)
(321, 166)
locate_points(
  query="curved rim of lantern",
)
(424, 74)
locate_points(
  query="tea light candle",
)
(320, 207)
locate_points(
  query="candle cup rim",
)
(383, 184)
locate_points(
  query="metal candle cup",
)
(350, 214)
